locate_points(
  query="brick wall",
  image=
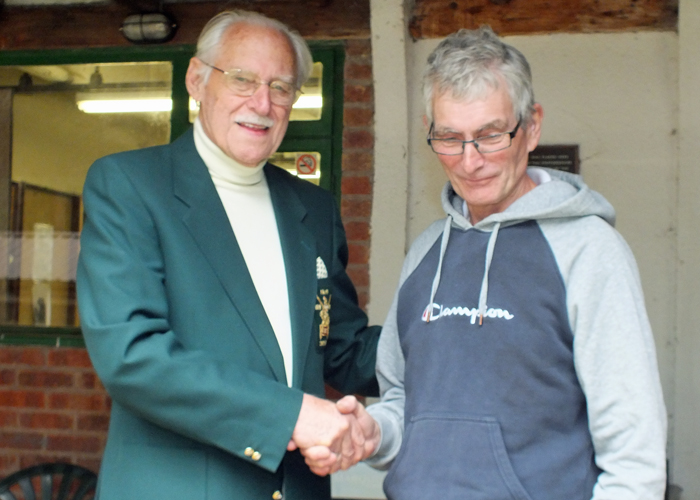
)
(358, 161)
(53, 407)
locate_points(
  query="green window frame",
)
(323, 136)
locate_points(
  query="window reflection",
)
(52, 144)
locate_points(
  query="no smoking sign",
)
(306, 164)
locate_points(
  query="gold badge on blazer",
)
(323, 307)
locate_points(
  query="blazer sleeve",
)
(147, 370)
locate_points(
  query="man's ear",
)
(534, 128)
(425, 123)
(194, 79)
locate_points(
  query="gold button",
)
(249, 451)
(277, 495)
(256, 456)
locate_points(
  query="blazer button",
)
(249, 452)
(277, 495)
(256, 456)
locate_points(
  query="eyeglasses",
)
(489, 144)
(246, 83)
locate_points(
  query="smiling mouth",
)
(253, 126)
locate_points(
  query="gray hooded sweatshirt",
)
(517, 360)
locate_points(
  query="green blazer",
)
(200, 404)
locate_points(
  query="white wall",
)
(617, 96)
(686, 437)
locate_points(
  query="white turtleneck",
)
(246, 198)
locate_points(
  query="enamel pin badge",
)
(323, 307)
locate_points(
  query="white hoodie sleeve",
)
(614, 357)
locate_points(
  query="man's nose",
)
(260, 100)
(471, 158)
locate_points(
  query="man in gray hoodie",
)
(517, 361)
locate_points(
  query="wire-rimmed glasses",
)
(245, 83)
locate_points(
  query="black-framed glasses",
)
(245, 83)
(452, 146)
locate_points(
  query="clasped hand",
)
(334, 436)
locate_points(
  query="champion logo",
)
(436, 311)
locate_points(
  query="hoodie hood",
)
(564, 196)
(558, 195)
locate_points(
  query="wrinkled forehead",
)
(246, 44)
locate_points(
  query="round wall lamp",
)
(148, 28)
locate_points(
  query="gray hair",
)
(213, 32)
(469, 65)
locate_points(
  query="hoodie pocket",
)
(453, 456)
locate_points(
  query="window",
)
(53, 125)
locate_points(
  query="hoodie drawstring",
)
(483, 293)
(487, 266)
(436, 279)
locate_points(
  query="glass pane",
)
(308, 107)
(303, 164)
(64, 117)
(310, 104)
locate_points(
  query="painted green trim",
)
(41, 336)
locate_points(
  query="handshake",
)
(334, 436)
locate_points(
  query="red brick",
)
(358, 254)
(8, 418)
(21, 440)
(89, 380)
(45, 379)
(93, 422)
(357, 230)
(89, 402)
(362, 139)
(359, 275)
(358, 48)
(79, 444)
(358, 71)
(43, 420)
(356, 185)
(8, 464)
(358, 117)
(358, 93)
(357, 161)
(355, 207)
(22, 399)
(73, 358)
(22, 356)
(8, 377)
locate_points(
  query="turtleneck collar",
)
(222, 167)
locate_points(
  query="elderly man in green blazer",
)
(213, 294)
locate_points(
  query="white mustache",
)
(254, 119)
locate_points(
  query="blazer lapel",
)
(205, 218)
(299, 249)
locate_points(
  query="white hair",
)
(470, 64)
(213, 32)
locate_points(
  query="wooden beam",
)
(439, 18)
(98, 25)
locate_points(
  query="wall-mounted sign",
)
(560, 157)
(306, 164)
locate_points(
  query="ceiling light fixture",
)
(152, 102)
(148, 28)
